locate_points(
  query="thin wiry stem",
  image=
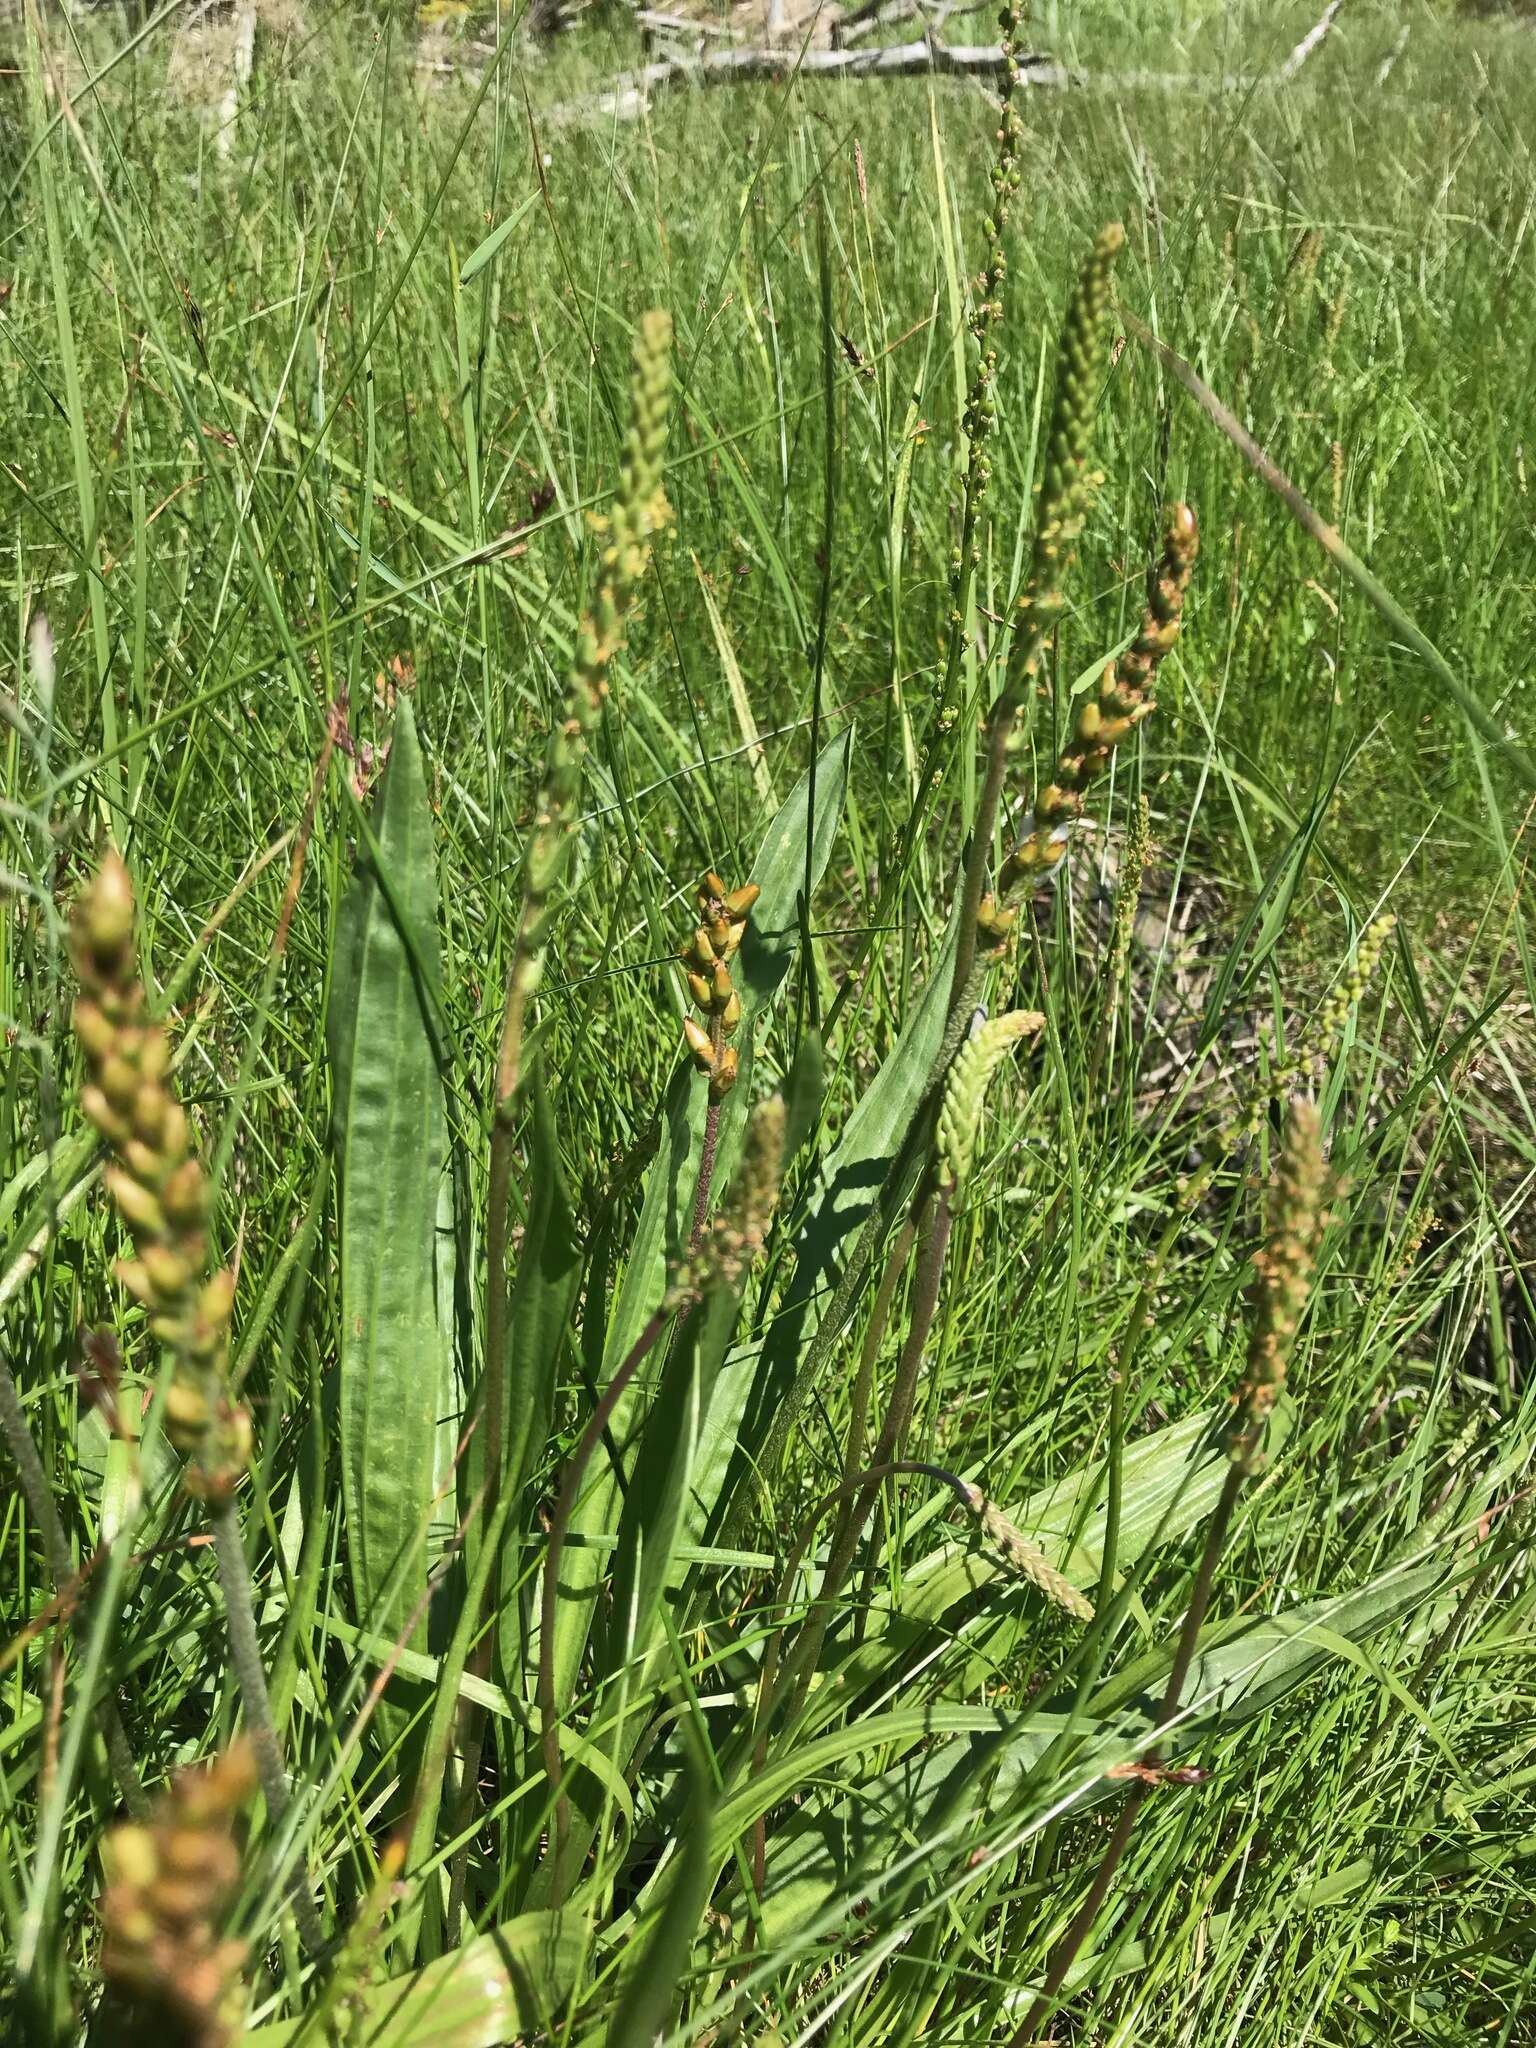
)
(251, 1677)
(852, 1487)
(925, 1301)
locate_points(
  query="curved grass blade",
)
(650, 1987)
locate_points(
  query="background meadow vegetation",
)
(307, 420)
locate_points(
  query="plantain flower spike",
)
(157, 1186)
(639, 512)
(1282, 1280)
(1068, 484)
(169, 1882)
(965, 1090)
(1318, 1040)
(723, 915)
(1024, 1557)
(1109, 714)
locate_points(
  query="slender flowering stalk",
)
(1066, 492)
(1284, 1269)
(978, 419)
(1108, 715)
(639, 512)
(1133, 867)
(986, 318)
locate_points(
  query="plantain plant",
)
(690, 1681)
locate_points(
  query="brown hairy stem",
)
(710, 1146)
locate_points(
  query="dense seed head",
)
(158, 1190)
(1108, 716)
(1282, 1279)
(965, 1089)
(169, 1885)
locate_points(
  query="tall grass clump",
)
(766, 1151)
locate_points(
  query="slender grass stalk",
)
(638, 513)
(979, 419)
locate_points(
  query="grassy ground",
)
(294, 424)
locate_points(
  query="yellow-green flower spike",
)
(1024, 1557)
(965, 1089)
(638, 513)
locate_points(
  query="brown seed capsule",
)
(138, 1205)
(730, 1016)
(102, 1114)
(186, 1412)
(154, 1055)
(723, 1078)
(739, 902)
(93, 1029)
(216, 1303)
(699, 1046)
(699, 953)
(107, 911)
(698, 988)
(721, 991)
(168, 1271)
(185, 1194)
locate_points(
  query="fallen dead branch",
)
(629, 97)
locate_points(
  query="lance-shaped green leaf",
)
(390, 1131)
(542, 1295)
(507, 1985)
(837, 1850)
(763, 1391)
